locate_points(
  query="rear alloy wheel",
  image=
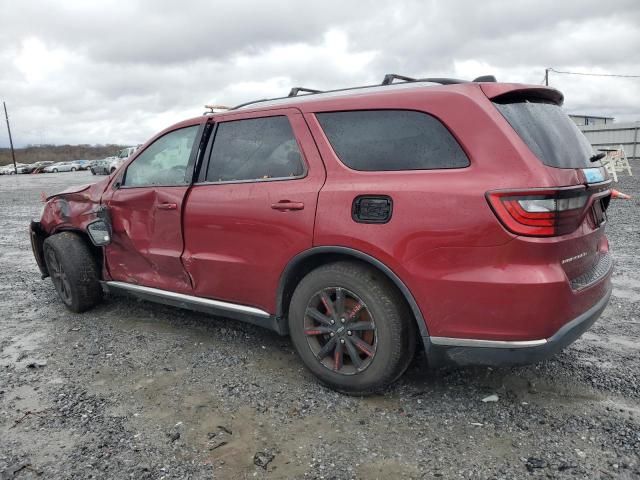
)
(351, 327)
(73, 271)
(73, 169)
(338, 324)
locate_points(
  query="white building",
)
(583, 120)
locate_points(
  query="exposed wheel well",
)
(305, 263)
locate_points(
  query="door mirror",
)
(99, 233)
(100, 230)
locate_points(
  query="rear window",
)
(549, 133)
(391, 140)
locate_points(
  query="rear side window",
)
(391, 140)
(549, 133)
(254, 149)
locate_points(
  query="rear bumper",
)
(463, 352)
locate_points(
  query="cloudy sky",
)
(118, 71)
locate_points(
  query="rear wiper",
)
(597, 156)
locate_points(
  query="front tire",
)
(73, 270)
(73, 169)
(352, 328)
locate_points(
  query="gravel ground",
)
(137, 390)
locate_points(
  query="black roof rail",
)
(388, 80)
(254, 101)
(390, 77)
(442, 81)
(295, 90)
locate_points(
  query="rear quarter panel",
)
(443, 240)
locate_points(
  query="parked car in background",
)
(40, 166)
(33, 167)
(101, 167)
(467, 217)
(109, 165)
(61, 167)
(9, 170)
(82, 164)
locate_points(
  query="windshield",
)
(549, 133)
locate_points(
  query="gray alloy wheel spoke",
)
(361, 326)
(328, 304)
(319, 330)
(353, 353)
(317, 316)
(363, 346)
(340, 302)
(326, 349)
(338, 356)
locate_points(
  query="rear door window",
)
(255, 149)
(384, 140)
(549, 133)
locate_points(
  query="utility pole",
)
(13, 155)
(546, 76)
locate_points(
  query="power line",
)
(592, 74)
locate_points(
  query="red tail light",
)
(540, 213)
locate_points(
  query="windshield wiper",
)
(597, 156)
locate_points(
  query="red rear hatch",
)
(573, 209)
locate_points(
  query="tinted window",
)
(391, 140)
(259, 148)
(549, 133)
(164, 162)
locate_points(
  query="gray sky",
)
(75, 71)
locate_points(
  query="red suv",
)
(464, 217)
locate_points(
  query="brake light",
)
(540, 213)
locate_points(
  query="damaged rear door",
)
(146, 213)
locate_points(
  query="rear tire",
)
(350, 356)
(73, 169)
(73, 270)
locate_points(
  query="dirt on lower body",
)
(137, 390)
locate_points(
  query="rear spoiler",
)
(514, 92)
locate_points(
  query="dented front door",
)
(145, 207)
(147, 238)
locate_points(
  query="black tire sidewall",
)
(80, 268)
(388, 313)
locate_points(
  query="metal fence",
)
(611, 136)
